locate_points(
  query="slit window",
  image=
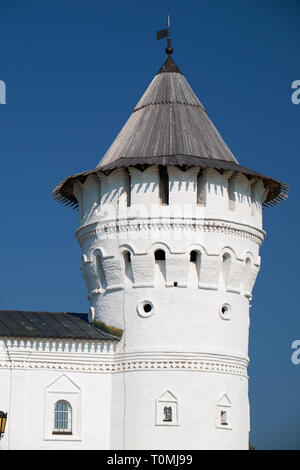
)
(226, 264)
(128, 188)
(201, 189)
(253, 201)
(100, 270)
(163, 185)
(128, 266)
(246, 274)
(231, 195)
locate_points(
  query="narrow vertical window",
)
(160, 255)
(62, 418)
(128, 188)
(226, 263)
(168, 413)
(224, 413)
(231, 195)
(163, 185)
(194, 268)
(100, 271)
(201, 189)
(160, 266)
(224, 418)
(127, 266)
(246, 274)
(253, 201)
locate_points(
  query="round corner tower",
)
(170, 227)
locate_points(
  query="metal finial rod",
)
(169, 48)
(166, 33)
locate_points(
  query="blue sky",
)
(73, 71)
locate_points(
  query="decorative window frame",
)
(62, 412)
(167, 399)
(63, 388)
(224, 404)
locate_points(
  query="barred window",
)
(224, 418)
(167, 413)
(62, 418)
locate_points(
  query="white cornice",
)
(228, 227)
(33, 355)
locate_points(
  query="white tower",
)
(170, 227)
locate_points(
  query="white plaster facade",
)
(195, 333)
(170, 227)
(188, 351)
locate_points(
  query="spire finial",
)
(166, 33)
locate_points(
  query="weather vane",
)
(166, 33)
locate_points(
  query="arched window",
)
(160, 255)
(127, 257)
(226, 263)
(246, 275)
(160, 267)
(62, 418)
(100, 271)
(194, 268)
(128, 266)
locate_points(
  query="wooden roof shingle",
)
(169, 126)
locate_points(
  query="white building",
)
(170, 227)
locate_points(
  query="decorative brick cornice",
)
(29, 357)
(114, 227)
(127, 366)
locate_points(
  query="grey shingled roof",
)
(168, 120)
(18, 323)
(169, 126)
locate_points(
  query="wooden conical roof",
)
(168, 123)
(169, 126)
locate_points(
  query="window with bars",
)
(224, 418)
(167, 413)
(62, 418)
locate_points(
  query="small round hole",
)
(225, 312)
(147, 308)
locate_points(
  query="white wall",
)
(186, 353)
(34, 377)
